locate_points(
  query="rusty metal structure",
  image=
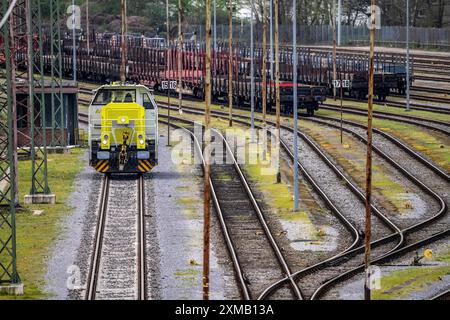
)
(8, 159)
(23, 113)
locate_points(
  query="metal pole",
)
(88, 44)
(230, 62)
(74, 49)
(294, 106)
(342, 111)
(8, 161)
(168, 70)
(215, 26)
(271, 41)
(334, 49)
(123, 66)
(180, 66)
(368, 225)
(206, 185)
(339, 22)
(252, 74)
(408, 107)
(277, 82)
(264, 63)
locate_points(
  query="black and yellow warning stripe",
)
(102, 166)
(145, 166)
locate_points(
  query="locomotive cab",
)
(123, 129)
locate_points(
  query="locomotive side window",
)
(147, 102)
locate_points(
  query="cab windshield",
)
(105, 96)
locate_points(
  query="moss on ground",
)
(351, 156)
(37, 233)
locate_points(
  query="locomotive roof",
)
(123, 86)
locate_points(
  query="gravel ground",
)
(67, 252)
(178, 225)
(422, 205)
(117, 277)
(174, 238)
(348, 290)
(348, 203)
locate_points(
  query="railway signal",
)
(341, 84)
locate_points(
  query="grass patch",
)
(36, 234)
(404, 282)
(401, 283)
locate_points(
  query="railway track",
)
(380, 258)
(442, 296)
(118, 264)
(247, 246)
(430, 124)
(416, 238)
(394, 104)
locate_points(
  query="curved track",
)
(246, 248)
(389, 255)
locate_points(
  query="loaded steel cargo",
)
(123, 129)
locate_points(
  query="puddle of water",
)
(414, 207)
(305, 237)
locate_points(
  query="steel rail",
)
(349, 253)
(100, 228)
(399, 118)
(94, 269)
(397, 251)
(259, 213)
(228, 241)
(142, 262)
(436, 169)
(445, 295)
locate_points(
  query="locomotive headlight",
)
(105, 142)
(141, 141)
(123, 120)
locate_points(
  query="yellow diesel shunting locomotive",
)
(123, 129)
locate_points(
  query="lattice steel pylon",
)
(8, 159)
(57, 104)
(36, 99)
